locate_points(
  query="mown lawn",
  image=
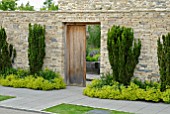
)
(76, 109)
(5, 97)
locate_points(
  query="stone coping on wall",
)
(91, 11)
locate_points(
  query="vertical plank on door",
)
(76, 49)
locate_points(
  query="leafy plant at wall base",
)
(7, 53)
(36, 51)
(130, 92)
(48, 74)
(32, 82)
(166, 96)
(123, 53)
(163, 52)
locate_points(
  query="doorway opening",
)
(82, 52)
(93, 39)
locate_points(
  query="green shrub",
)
(145, 84)
(94, 58)
(92, 54)
(131, 92)
(7, 53)
(153, 94)
(123, 53)
(164, 61)
(7, 72)
(36, 50)
(22, 73)
(166, 96)
(32, 82)
(48, 74)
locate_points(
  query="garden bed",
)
(44, 80)
(147, 91)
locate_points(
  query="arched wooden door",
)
(76, 55)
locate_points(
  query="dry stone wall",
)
(148, 26)
(66, 5)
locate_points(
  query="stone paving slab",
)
(36, 100)
(4, 110)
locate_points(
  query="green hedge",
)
(131, 92)
(32, 82)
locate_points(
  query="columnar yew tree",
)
(163, 52)
(36, 51)
(7, 52)
(123, 53)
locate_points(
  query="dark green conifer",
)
(7, 52)
(163, 52)
(36, 51)
(123, 53)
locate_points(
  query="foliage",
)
(166, 96)
(163, 52)
(32, 82)
(6, 5)
(20, 73)
(92, 54)
(145, 84)
(49, 5)
(94, 58)
(123, 53)
(36, 51)
(94, 36)
(131, 92)
(7, 52)
(8, 71)
(27, 7)
(48, 74)
(76, 109)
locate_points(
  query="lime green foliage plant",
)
(151, 92)
(123, 53)
(6, 5)
(36, 51)
(7, 53)
(32, 82)
(94, 58)
(163, 52)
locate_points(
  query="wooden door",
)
(76, 55)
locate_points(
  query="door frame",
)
(65, 48)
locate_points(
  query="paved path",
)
(38, 100)
(14, 111)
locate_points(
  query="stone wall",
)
(148, 26)
(66, 5)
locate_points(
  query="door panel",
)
(76, 57)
